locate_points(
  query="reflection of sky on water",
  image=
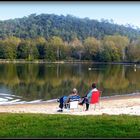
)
(12, 99)
(7, 97)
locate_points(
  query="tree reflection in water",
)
(49, 81)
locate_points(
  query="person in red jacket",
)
(86, 98)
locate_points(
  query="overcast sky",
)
(121, 12)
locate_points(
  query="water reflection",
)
(41, 82)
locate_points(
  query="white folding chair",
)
(73, 105)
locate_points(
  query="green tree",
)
(121, 42)
(11, 43)
(91, 46)
(77, 48)
(22, 50)
(133, 51)
(32, 49)
(2, 50)
(41, 44)
(49, 52)
(109, 51)
(58, 44)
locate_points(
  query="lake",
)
(33, 82)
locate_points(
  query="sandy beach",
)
(115, 105)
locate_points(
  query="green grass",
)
(68, 126)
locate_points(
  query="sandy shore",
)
(129, 104)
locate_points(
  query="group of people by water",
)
(64, 100)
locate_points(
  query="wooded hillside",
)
(67, 27)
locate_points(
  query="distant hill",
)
(66, 27)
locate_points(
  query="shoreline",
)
(111, 106)
(61, 62)
(55, 100)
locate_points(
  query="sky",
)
(120, 12)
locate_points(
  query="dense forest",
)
(51, 37)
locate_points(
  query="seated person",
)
(87, 97)
(64, 100)
(73, 97)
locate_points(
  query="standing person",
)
(87, 97)
(66, 99)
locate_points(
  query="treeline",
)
(115, 48)
(51, 37)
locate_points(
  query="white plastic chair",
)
(73, 106)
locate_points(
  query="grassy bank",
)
(67, 126)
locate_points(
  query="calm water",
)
(20, 83)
